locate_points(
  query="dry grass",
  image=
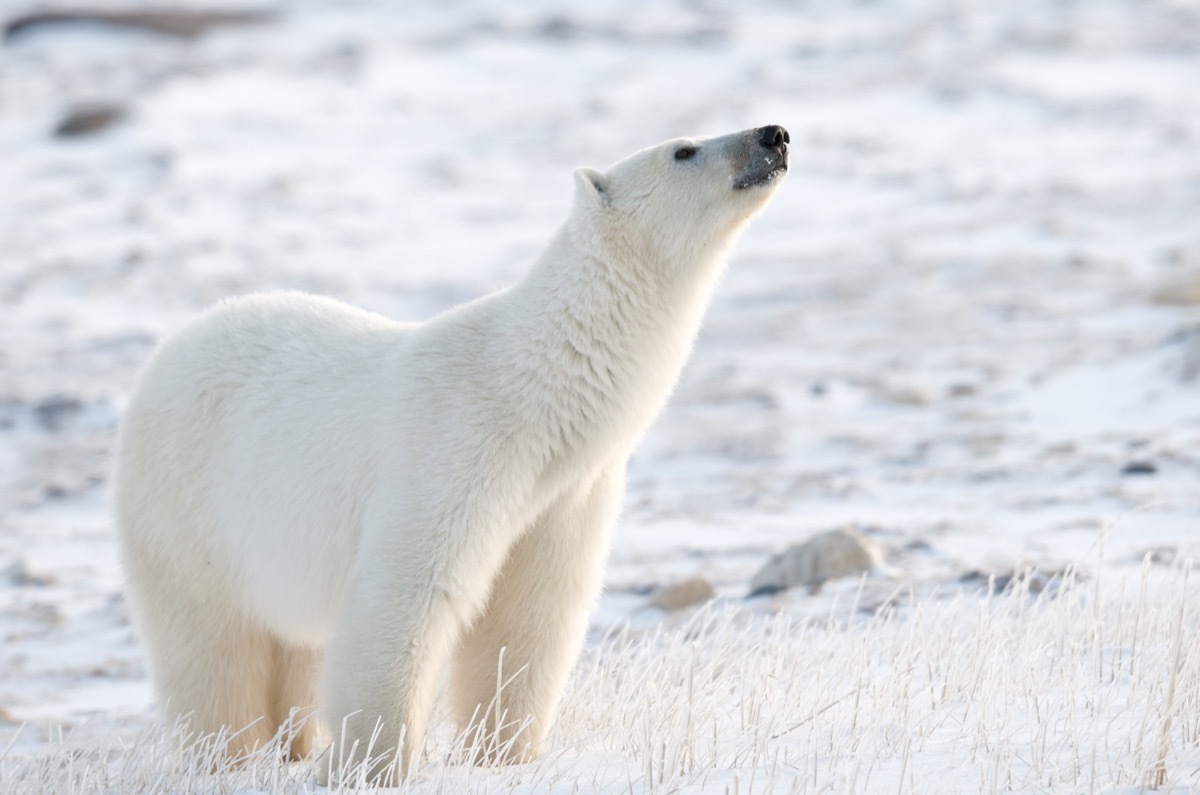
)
(1084, 687)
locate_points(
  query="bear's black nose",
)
(773, 136)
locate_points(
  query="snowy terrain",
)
(969, 322)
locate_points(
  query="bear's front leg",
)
(379, 678)
(410, 598)
(418, 580)
(525, 642)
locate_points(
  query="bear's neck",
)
(606, 340)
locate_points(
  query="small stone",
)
(20, 574)
(53, 412)
(682, 594)
(1139, 468)
(1181, 292)
(88, 119)
(180, 23)
(905, 394)
(826, 556)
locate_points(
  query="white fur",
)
(300, 479)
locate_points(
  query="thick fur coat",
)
(319, 506)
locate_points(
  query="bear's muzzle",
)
(768, 157)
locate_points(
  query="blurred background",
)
(968, 325)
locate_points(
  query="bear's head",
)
(683, 200)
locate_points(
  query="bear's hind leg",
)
(293, 698)
(212, 671)
(529, 634)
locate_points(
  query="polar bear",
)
(319, 506)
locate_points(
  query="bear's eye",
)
(685, 152)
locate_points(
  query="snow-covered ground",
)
(969, 322)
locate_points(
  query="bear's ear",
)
(591, 186)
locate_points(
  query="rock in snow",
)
(836, 553)
(682, 594)
(88, 119)
(180, 23)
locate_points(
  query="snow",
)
(946, 329)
